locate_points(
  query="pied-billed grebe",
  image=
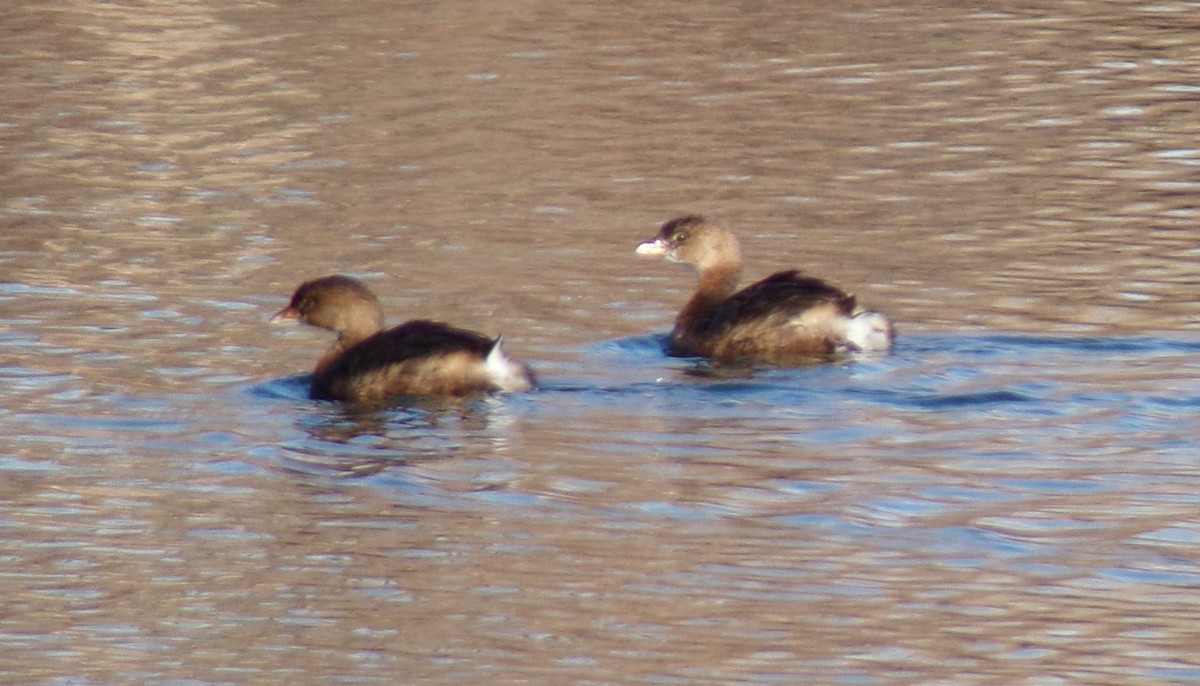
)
(369, 364)
(785, 317)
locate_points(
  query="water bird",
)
(370, 364)
(785, 318)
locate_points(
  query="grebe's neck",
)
(717, 283)
(357, 325)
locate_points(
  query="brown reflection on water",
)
(326, 581)
(1008, 169)
(961, 168)
(171, 170)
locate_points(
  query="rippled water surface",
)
(1012, 497)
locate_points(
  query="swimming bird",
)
(368, 363)
(783, 318)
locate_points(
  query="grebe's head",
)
(694, 240)
(338, 303)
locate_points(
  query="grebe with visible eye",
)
(783, 318)
(370, 364)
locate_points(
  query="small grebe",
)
(369, 364)
(783, 318)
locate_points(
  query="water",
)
(1009, 498)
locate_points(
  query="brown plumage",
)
(369, 364)
(783, 318)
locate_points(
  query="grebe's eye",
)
(679, 237)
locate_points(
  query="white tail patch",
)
(505, 373)
(868, 331)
